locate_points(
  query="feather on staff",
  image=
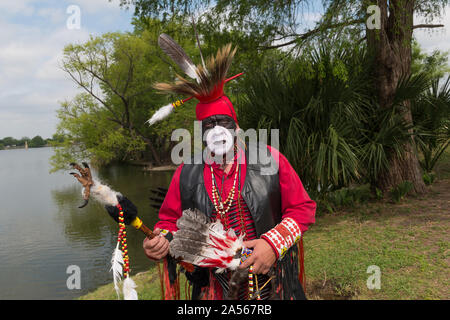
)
(117, 268)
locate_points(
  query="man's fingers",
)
(160, 243)
(163, 251)
(250, 243)
(256, 267)
(149, 244)
(157, 247)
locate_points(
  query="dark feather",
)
(210, 78)
(193, 219)
(177, 54)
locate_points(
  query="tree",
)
(85, 131)
(9, 141)
(106, 122)
(110, 63)
(278, 25)
(37, 142)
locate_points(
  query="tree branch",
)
(310, 33)
(417, 26)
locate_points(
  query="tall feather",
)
(177, 54)
(117, 268)
(198, 42)
(202, 242)
(129, 289)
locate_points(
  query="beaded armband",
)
(283, 236)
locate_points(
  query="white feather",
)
(191, 71)
(161, 113)
(129, 292)
(117, 268)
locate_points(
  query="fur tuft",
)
(104, 194)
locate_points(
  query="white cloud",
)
(23, 7)
(54, 15)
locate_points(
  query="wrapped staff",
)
(124, 212)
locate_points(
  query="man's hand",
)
(156, 248)
(262, 257)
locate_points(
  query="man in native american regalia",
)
(270, 212)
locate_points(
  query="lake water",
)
(43, 232)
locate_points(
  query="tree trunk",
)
(391, 45)
(153, 151)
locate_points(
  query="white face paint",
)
(219, 140)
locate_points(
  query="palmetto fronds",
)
(324, 103)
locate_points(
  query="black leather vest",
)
(261, 189)
(261, 193)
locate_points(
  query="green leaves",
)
(106, 122)
(317, 113)
(332, 129)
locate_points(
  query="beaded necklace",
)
(222, 207)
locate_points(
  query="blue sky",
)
(33, 35)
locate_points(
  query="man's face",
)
(219, 130)
(218, 120)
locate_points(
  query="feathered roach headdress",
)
(206, 82)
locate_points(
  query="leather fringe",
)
(301, 265)
(169, 291)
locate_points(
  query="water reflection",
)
(43, 231)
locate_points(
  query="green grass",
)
(148, 288)
(409, 241)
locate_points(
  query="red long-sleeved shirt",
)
(295, 202)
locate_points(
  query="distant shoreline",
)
(23, 147)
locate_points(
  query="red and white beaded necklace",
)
(222, 207)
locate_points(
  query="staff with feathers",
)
(218, 248)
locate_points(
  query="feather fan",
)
(205, 243)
